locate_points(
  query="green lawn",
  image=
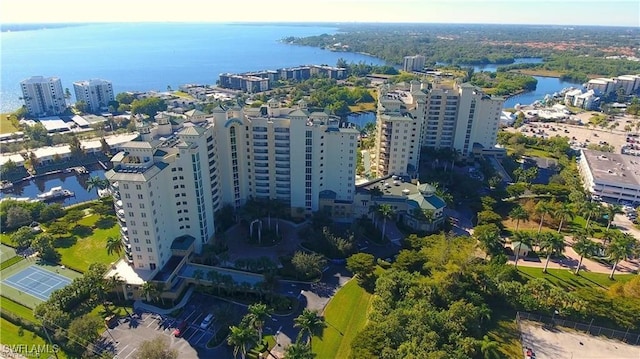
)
(5, 125)
(9, 262)
(17, 309)
(28, 339)
(79, 252)
(345, 315)
(566, 279)
(6, 239)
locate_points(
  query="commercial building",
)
(444, 115)
(611, 175)
(413, 63)
(602, 86)
(95, 93)
(43, 96)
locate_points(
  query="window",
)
(129, 205)
(138, 187)
(138, 249)
(148, 241)
(150, 250)
(140, 196)
(127, 196)
(136, 240)
(141, 205)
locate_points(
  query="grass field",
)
(79, 252)
(27, 340)
(9, 262)
(6, 253)
(5, 125)
(345, 315)
(566, 279)
(17, 309)
(6, 239)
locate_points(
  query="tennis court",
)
(37, 282)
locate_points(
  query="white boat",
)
(55, 192)
(5, 185)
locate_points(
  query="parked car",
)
(179, 330)
(206, 321)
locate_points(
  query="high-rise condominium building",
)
(413, 63)
(43, 96)
(95, 93)
(459, 117)
(173, 179)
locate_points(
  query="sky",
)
(552, 12)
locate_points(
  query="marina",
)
(69, 180)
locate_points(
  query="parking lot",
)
(129, 334)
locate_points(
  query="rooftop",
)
(613, 167)
(123, 270)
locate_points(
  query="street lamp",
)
(555, 312)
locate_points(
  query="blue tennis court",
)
(37, 282)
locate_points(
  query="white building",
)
(43, 96)
(602, 86)
(586, 100)
(570, 96)
(611, 175)
(169, 183)
(95, 93)
(629, 83)
(447, 115)
(413, 63)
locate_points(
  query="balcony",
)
(281, 138)
(281, 158)
(124, 231)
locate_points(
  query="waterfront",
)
(152, 56)
(70, 181)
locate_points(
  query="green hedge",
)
(11, 261)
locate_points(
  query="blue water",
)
(149, 56)
(70, 181)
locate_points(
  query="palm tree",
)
(310, 323)
(621, 247)
(114, 245)
(298, 351)
(519, 213)
(113, 282)
(563, 212)
(242, 338)
(543, 208)
(150, 290)
(385, 211)
(489, 348)
(258, 314)
(198, 274)
(590, 209)
(583, 246)
(612, 210)
(97, 183)
(551, 243)
(523, 238)
(489, 237)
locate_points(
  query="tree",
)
(308, 264)
(125, 98)
(22, 237)
(385, 211)
(298, 351)
(362, 265)
(258, 314)
(543, 208)
(590, 209)
(564, 211)
(489, 348)
(150, 291)
(489, 237)
(8, 167)
(242, 338)
(77, 151)
(583, 246)
(157, 348)
(551, 243)
(83, 331)
(43, 244)
(104, 146)
(18, 216)
(621, 247)
(82, 106)
(612, 210)
(114, 283)
(516, 190)
(57, 228)
(51, 212)
(74, 216)
(114, 245)
(310, 323)
(519, 213)
(198, 274)
(149, 106)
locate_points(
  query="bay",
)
(152, 56)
